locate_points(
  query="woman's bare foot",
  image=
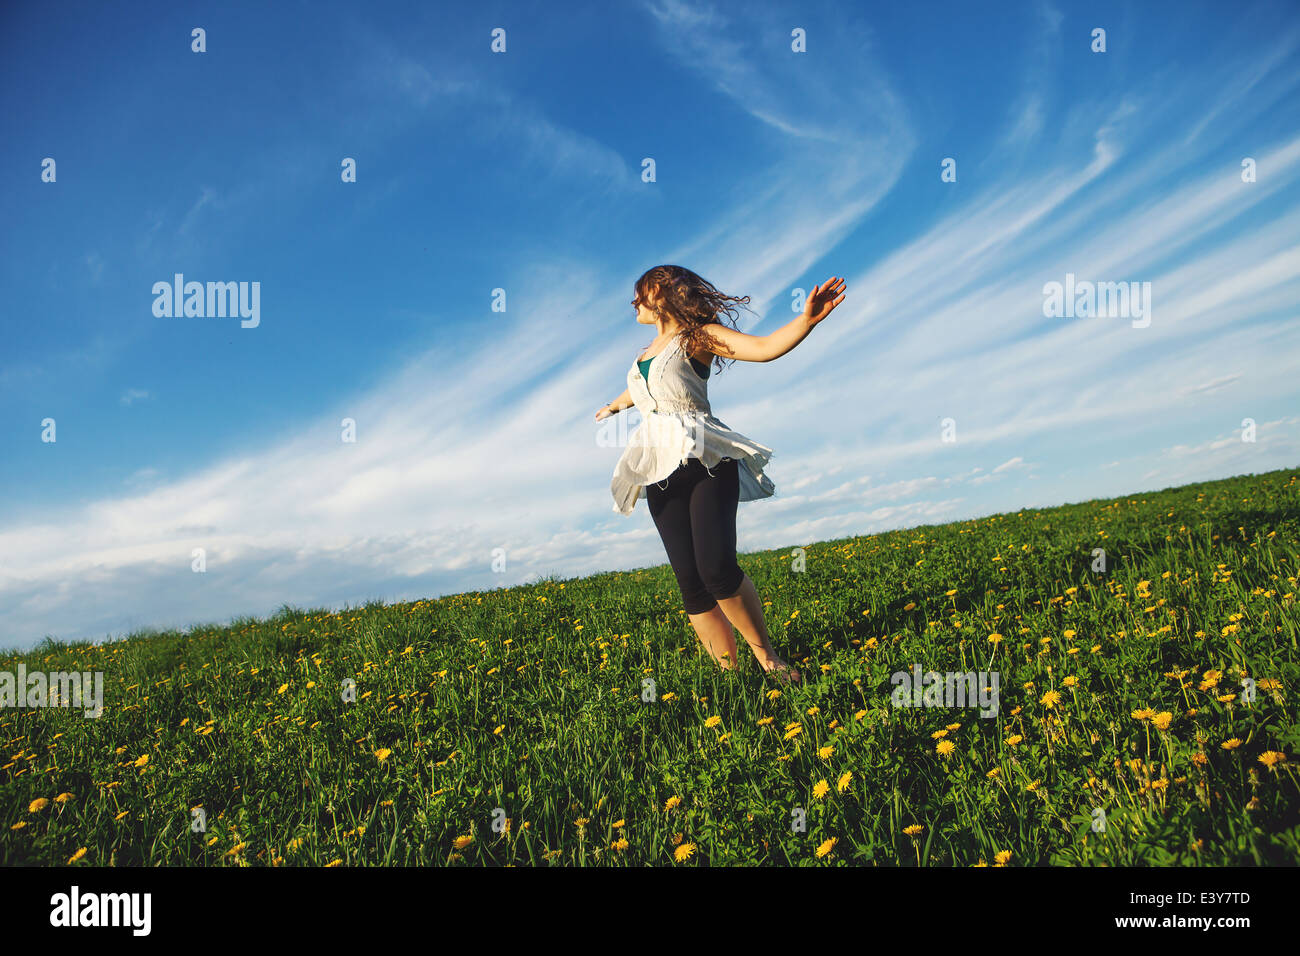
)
(780, 670)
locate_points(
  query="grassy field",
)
(580, 722)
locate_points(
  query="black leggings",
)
(695, 513)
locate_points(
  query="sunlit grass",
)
(511, 727)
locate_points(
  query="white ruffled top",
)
(677, 423)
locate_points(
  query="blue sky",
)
(521, 171)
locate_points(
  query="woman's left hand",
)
(822, 300)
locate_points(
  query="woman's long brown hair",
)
(692, 301)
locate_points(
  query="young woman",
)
(688, 465)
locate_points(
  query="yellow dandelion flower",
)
(825, 752)
(1231, 744)
(1270, 758)
(713, 721)
(826, 847)
(40, 803)
(383, 753)
(1162, 720)
(821, 788)
(913, 830)
(671, 802)
(945, 748)
(462, 841)
(63, 798)
(1001, 857)
(846, 778)
(1050, 699)
(77, 856)
(683, 851)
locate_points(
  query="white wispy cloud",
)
(1028, 113)
(948, 324)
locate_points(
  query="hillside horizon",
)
(54, 641)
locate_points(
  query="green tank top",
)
(701, 369)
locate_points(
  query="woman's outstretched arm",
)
(764, 348)
(617, 405)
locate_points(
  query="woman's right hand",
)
(823, 299)
(603, 412)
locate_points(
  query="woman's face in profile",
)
(645, 310)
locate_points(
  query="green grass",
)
(526, 703)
